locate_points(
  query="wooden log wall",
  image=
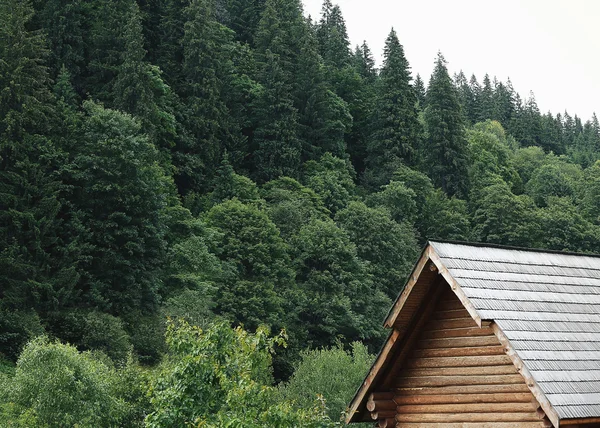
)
(457, 375)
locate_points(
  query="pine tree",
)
(420, 91)
(205, 115)
(275, 143)
(37, 261)
(397, 128)
(66, 24)
(138, 88)
(446, 146)
(323, 116)
(334, 44)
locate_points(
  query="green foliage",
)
(331, 278)
(290, 205)
(398, 199)
(501, 217)
(54, 385)
(331, 179)
(389, 247)
(332, 374)
(92, 330)
(217, 378)
(551, 180)
(256, 264)
(122, 193)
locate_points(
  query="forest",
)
(207, 207)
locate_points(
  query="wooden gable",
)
(456, 374)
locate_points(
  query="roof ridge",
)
(510, 247)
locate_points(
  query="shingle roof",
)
(548, 306)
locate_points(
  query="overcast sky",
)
(547, 46)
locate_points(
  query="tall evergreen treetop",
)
(397, 126)
(446, 148)
(24, 82)
(334, 44)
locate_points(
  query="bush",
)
(330, 373)
(55, 385)
(92, 331)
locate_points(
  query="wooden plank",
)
(450, 305)
(582, 421)
(458, 352)
(414, 276)
(411, 382)
(460, 371)
(529, 380)
(538, 424)
(457, 342)
(507, 397)
(450, 323)
(462, 389)
(467, 408)
(458, 332)
(468, 417)
(451, 315)
(483, 360)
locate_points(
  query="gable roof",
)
(544, 306)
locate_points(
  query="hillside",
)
(232, 164)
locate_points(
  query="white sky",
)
(547, 46)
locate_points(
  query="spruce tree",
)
(276, 146)
(334, 44)
(324, 118)
(138, 88)
(38, 263)
(420, 91)
(205, 115)
(66, 24)
(446, 146)
(244, 17)
(486, 100)
(397, 128)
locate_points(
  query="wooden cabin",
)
(484, 336)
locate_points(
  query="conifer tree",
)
(485, 100)
(397, 128)
(138, 88)
(244, 17)
(466, 97)
(205, 115)
(334, 44)
(38, 265)
(446, 145)
(66, 24)
(324, 117)
(364, 62)
(420, 91)
(276, 146)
